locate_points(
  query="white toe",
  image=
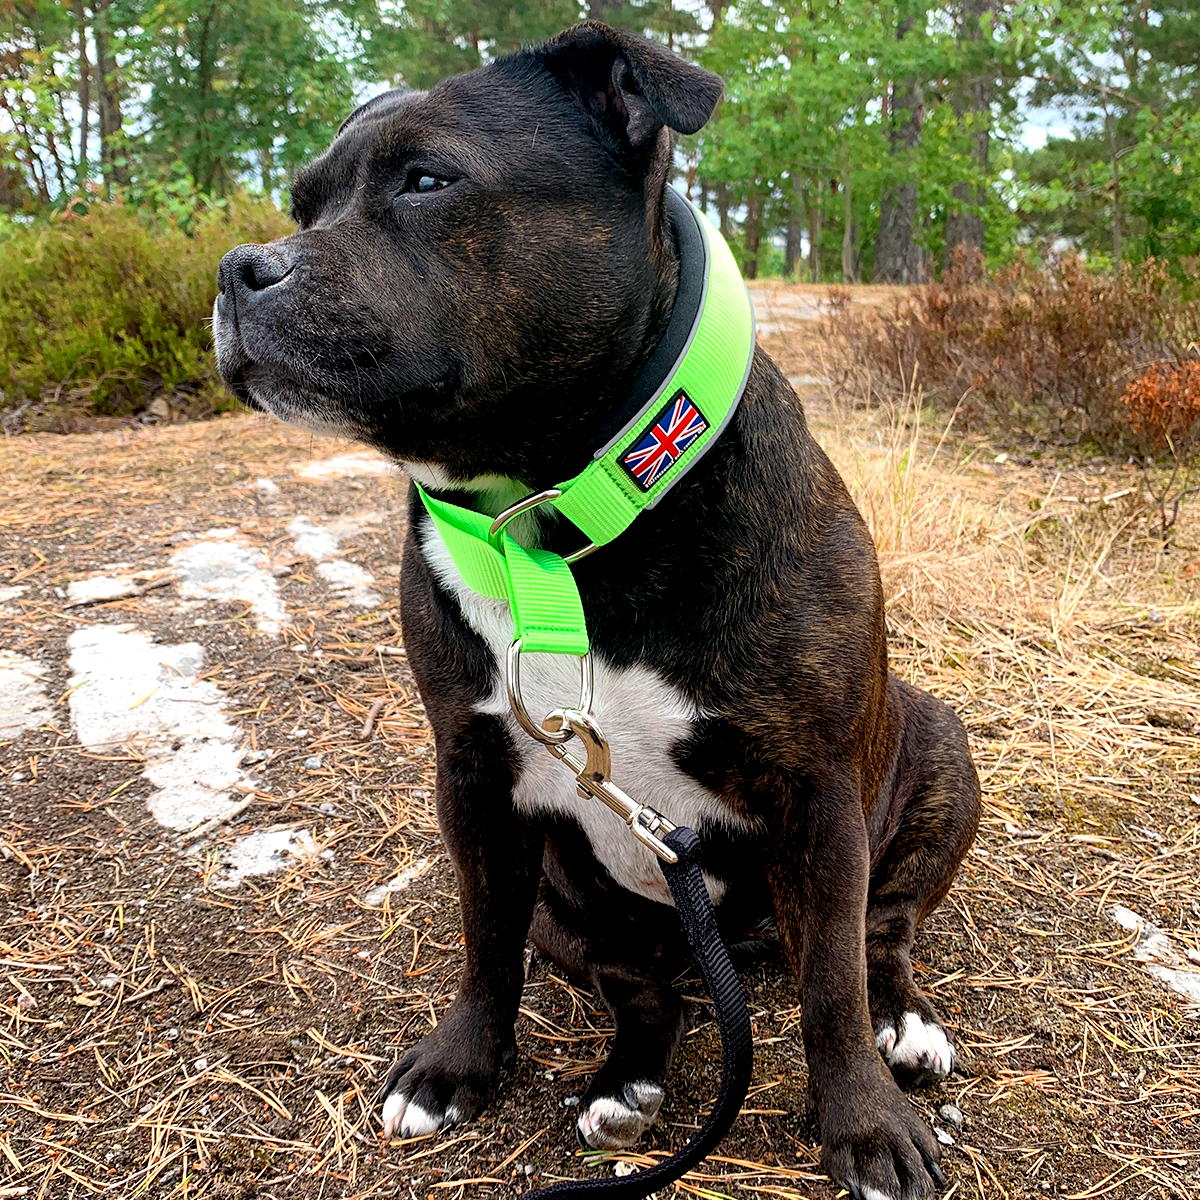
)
(611, 1123)
(920, 1046)
(393, 1110)
(417, 1122)
(649, 1096)
(602, 1111)
(943, 1052)
(870, 1193)
(885, 1039)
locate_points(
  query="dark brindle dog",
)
(480, 275)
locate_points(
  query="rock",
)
(157, 411)
(942, 1136)
(313, 762)
(952, 1115)
(255, 756)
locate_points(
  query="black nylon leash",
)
(733, 1021)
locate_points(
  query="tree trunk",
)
(965, 223)
(814, 230)
(753, 221)
(85, 99)
(723, 208)
(897, 256)
(794, 228)
(206, 166)
(602, 10)
(1116, 191)
(108, 104)
(849, 249)
(52, 145)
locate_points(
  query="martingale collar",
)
(682, 401)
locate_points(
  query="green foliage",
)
(101, 311)
(1126, 184)
(423, 41)
(240, 87)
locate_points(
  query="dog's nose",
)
(254, 268)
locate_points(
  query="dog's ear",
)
(632, 85)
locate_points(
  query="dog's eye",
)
(418, 181)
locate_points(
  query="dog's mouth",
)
(269, 387)
(278, 392)
(235, 379)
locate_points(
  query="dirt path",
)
(224, 909)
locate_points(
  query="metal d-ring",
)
(532, 501)
(512, 680)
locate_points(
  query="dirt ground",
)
(205, 1007)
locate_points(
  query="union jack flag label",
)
(673, 431)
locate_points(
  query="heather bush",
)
(1164, 407)
(105, 311)
(1041, 352)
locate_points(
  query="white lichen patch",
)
(99, 587)
(1153, 948)
(224, 567)
(265, 852)
(128, 690)
(23, 700)
(8, 595)
(402, 882)
(345, 465)
(347, 580)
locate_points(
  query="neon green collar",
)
(628, 475)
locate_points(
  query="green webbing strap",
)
(685, 416)
(546, 609)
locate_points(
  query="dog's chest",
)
(642, 716)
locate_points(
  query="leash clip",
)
(591, 779)
(592, 774)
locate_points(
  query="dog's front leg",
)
(873, 1141)
(450, 1075)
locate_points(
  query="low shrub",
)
(104, 312)
(1164, 408)
(1040, 352)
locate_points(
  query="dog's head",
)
(478, 268)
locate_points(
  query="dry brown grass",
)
(1049, 616)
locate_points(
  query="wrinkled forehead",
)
(481, 124)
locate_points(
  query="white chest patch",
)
(642, 717)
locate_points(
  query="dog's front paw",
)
(614, 1122)
(915, 1046)
(881, 1149)
(447, 1078)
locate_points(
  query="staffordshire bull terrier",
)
(484, 284)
